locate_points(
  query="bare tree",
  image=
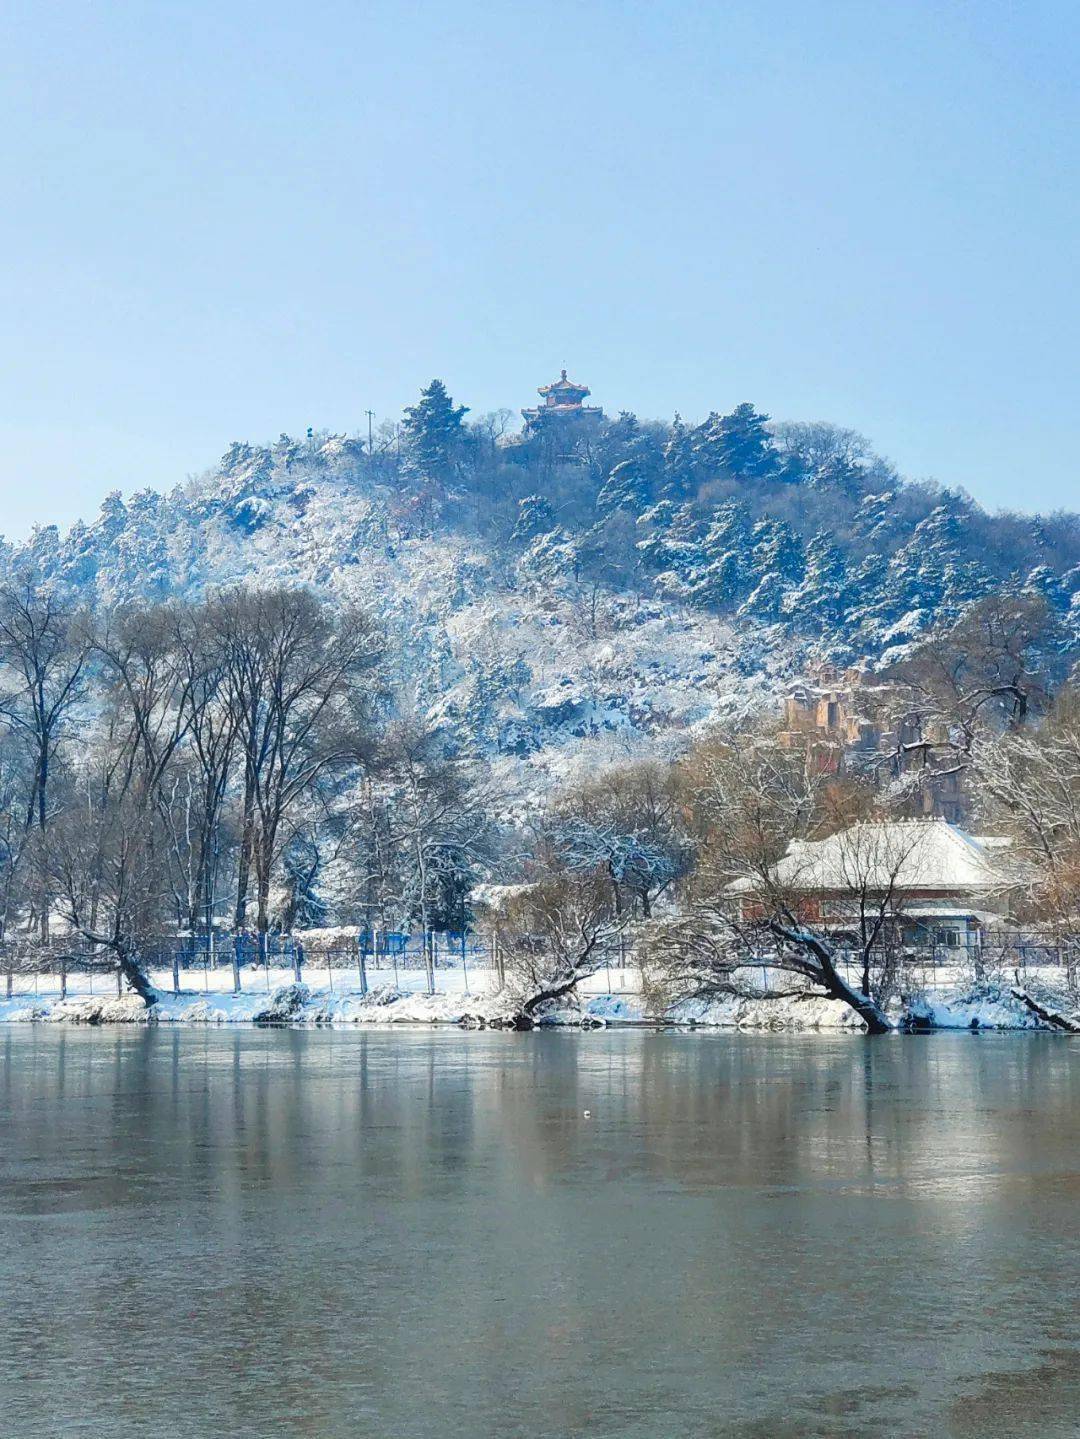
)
(44, 649)
(1030, 789)
(439, 820)
(299, 681)
(757, 894)
(627, 824)
(555, 932)
(106, 854)
(992, 672)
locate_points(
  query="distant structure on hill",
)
(563, 405)
(844, 723)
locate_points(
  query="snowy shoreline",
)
(300, 1006)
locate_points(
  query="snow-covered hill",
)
(546, 679)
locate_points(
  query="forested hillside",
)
(616, 582)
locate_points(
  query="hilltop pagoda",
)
(562, 404)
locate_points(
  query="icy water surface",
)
(419, 1234)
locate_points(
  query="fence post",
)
(63, 976)
(361, 966)
(297, 960)
(429, 960)
(119, 984)
(238, 940)
(175, 971)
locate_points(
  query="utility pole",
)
(370, 443)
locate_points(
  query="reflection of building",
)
(942, 885)
(843, 720)
(563, 405)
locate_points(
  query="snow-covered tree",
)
(433, 434)
(778, 563)
(725, 572)
(535, 516)
(737, 445)
(628, 487)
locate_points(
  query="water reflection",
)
(413, 1234)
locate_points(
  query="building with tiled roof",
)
(563, 402)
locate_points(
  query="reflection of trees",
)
(327, 1225)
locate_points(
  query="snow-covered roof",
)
(496, 897)
(921, 854)
(944, 910)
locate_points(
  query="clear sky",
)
(223, 220)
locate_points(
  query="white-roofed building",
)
(942, 885)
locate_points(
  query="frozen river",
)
(405, 1234)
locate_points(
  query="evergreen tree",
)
(1042, 581)
(724, 575)
(818, 602)
(628, 487)
(670, 539)
(680, 464)
(840, 474)
(865, 586)
(966, 581)
(535, 517)
(433, 434)
(874, 517)
(777, 549)
(737, 445)
(918, 571)
(779, 563)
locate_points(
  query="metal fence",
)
(365, 959)
(360, 960)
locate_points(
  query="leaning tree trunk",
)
(555, 989)
(864, 1005)
(830, 979)
(130, 966)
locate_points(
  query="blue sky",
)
(225, 220)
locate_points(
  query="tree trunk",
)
(867, 1008)
(828, 977)
(130, 966)
(243, 869)
(555, 990)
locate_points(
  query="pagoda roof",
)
(563, 386)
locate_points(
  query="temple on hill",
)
(562, 402)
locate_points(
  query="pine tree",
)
(1042, 581)
(918, 571)
(628, 487)
(966, 581)
(737, 445)
(670, 540)
(680, 464)
(779, 562)
(776, 548)
(874, 517)
(433, 433)
(535, 517)
(817, 603)
(724, 575)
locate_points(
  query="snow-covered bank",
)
(303, 1006)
